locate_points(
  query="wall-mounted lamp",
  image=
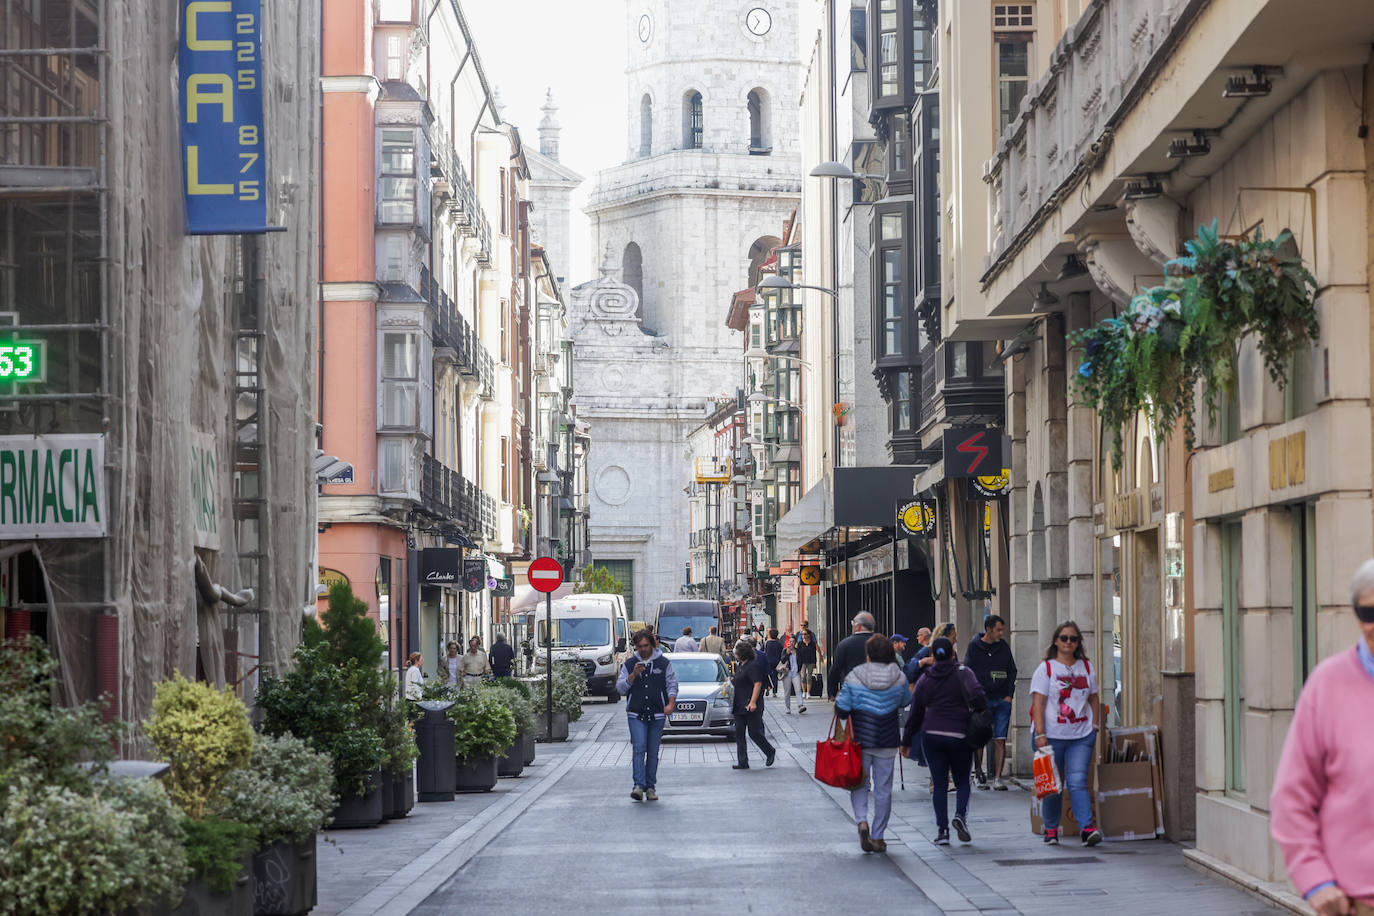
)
(1145, 189)
(1044, 300)
(1253, 87)
(1183, 148)
(1072, 269)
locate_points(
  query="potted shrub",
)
(286, 794)
(483, 728)
(203, 733)
(332, 708)
(569, 684)
(398, 769)
(527, 728)
(514, 697)
(74, 840)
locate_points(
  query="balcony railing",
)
(453, 331)
(449, 496)
(464, 204)
(1060, 130)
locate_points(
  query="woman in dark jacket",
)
(807, 656)
(939, 718)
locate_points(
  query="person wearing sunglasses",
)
(1064, 702)
(1320, 811)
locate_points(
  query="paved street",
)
(766, 841)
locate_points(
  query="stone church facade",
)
(712, 172)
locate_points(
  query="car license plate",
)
(688, 717)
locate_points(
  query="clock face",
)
(646, 28)
(758, 21)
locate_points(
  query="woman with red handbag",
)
(870, 699)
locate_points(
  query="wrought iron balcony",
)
(449, 496)
(453, 331)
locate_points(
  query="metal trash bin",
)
(437, 769)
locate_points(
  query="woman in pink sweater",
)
(1322, 809)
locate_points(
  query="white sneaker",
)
(787, 712)
(998, 785)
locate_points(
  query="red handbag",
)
(839, 763)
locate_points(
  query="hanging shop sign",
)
(474, 574)
(52, 487)
(991, 487)
(789, 591)
(972, 451)
(224, 177)
(504, 588)
(810, 575)
(440, 566)
(916, 518)
(205, 490)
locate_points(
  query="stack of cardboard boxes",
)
(1126, 784)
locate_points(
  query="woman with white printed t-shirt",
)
(1064, 702)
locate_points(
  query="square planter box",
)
(285, 879)
(529, 749)
(199, 900)
(512, 762)
(476, 775)
(560, 727)
(360, 810)
(403, 795)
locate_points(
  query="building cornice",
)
(365, 84)
(350, 292)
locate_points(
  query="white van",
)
(592, 630)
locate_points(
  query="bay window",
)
(400, 381)
(398, 183)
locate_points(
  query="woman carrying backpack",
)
(941, 709)
(1064, 715)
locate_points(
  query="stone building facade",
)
(712, 170)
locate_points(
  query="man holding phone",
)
(649, 685)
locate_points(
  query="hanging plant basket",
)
(1150, 359)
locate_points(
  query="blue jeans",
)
(1001, 717)
(948, 757)
(645, 738)
(1073, 756)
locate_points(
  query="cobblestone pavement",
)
(567, 835)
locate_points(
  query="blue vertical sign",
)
(224, 155)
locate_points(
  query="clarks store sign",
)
(52, 487)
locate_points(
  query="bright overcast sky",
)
(577, 48)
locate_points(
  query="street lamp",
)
(775, 282)
(840, 170)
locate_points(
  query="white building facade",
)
(712, 171)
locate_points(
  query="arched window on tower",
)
(646, 126)
(693, 122)
(760, 135)
(632, 273)
(759, 253)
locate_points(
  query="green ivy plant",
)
(1188, 330)
(204, 734)
(484, 726)
(286, 793)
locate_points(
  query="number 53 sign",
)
(22, 361)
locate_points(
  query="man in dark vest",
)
(649, 685)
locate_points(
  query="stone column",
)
(1022, 603)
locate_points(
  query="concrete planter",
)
(560, 727)
(360, 810)
(388, 793)
(285, 879)
(476, 775)
(528, 749)
(199, 900)
(512, 762)
(402, 794)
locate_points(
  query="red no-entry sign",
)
(546, 574)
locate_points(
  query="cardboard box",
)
(1128, 796)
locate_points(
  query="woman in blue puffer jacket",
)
(870, 699)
